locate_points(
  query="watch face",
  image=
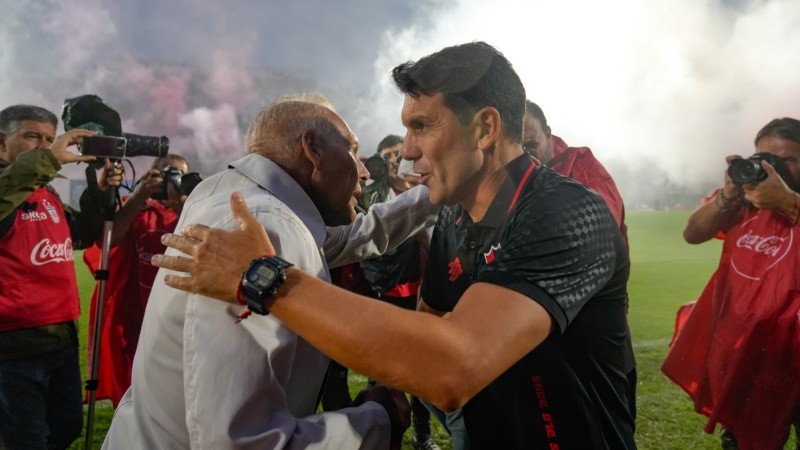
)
(262, 276)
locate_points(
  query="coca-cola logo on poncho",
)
(760, 249)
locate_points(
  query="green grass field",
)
(665, 273)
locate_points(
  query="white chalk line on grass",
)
(650, 343)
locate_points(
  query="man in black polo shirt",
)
(527, 268)
(536, 239)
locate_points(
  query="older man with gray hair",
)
(206, 375)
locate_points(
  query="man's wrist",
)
(726, 204)
(260, 282)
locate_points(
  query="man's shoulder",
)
(552, 197)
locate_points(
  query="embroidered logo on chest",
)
(52, 211)
(455, 269)
(491, 254)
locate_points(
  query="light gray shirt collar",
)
(277, 182)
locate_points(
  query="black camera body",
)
(184, 183)
(127, 146)
(749, 170)
(377, 166)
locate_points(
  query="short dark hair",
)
(389, 141)
(534, 110)
(11, 117)
(471, 76)
(785, 127)
(162, 162)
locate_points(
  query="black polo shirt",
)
(554, 241)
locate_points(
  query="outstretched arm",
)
(490, 329)
(150, 183)
(384, 227)
(715, 215)
(36, 168)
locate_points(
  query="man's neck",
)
(489, 180)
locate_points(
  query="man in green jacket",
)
(40, 384)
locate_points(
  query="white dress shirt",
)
(201, 380)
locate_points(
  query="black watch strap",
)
(261, 281)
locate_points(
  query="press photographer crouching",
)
(40, 382)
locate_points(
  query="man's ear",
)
(310, 149)
(547, 132)
(487, 126)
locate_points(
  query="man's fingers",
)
(730, 158)
(242, 213)
(177, 263)
(768, 168)
(179, 282)
(184, 243)
(196, 233)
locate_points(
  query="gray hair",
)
(310, 97)
(11, 117)
(275, 130)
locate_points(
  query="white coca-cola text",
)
(768, 245)
(44, 252)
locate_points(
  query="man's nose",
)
(409, 151)
(363, 173)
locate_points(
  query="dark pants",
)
(40, 401)
(336, 392)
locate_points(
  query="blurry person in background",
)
(737, 353)
(578, 163)
(40, 381)
(147, 214)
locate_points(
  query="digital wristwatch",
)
(261, 281)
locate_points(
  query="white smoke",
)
(661, 89)
(662, 85)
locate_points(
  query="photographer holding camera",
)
(736, 355)
(40, 381)
(149, 212)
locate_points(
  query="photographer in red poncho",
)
(736, 355)
(149, 212)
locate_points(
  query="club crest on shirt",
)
(52, 211)
(455, 269)
(489, 256)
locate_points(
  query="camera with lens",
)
(378, 167)
(88, 112)
(749, 170)
(184, 183)
(126, 146)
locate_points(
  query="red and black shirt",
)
(556, 242)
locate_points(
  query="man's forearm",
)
(444, 360)
(709, 219)
(123, 218)
(384, 227)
